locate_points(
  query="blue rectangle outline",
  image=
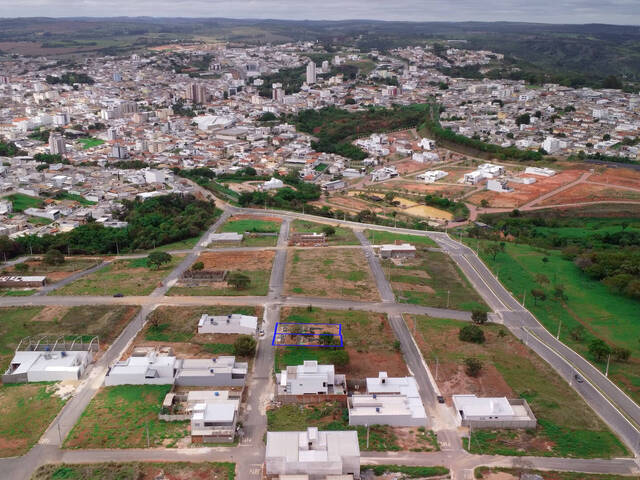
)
(275, 330)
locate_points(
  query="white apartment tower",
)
(311, 73)
(56, 144)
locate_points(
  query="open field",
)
(497, 473)
(26, 410)
(129, 277)
(331, 273)
(431, 279)
(334, 416)
(385, 472)
(589, 192)
(248, 225)
(137, 471)
(55, 273)
(566, 424)
(379, 238)
(624, 177)
(21, 202)
(603, 314)
(65, 197)
(370, 343)
(121, 416)
(525, 193)
(418, 187)
(89, 142)
(19, 322)
(178, 328)
(343, 236)
(254, 264)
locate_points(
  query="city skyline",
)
(620, 12)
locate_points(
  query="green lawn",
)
(379, 238)
(259, 287)
(136, 471)
(26, 410)
(250, 225)
(432, 279)
(406, 471)
(129, 277)
(343, 236)
(19, 322)
(121, 416)
(90, 142)
(566, 424)
(613, 318)
(39, 221)
(21, 202)
(76, 198)
(16, 293)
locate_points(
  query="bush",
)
(472, 366)
(197, 266)
(156, 259)
(472, 334)
(479, 317)
(244, 346)
(239, 281)
(53, 257)
(599, 349)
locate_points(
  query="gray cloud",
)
(546, 11)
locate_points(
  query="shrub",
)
(53, 257)
(472, 334)
(472, 366)
(479, 316)
(244, 346)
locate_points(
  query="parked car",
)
(119, 295)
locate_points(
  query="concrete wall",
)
(391, 420)
(310, 399)
(209, 380)
(530, 422)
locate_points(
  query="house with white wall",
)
(492, 412)
(234, 323)
(310, 378)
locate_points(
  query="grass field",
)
(613, 318)
(343, 236)
(566, 424)
(488, 473)
(55, 273)
(26, 410)
(76, 198)
(19, 322)
(39, 221)
(137, 471)
(16, 293)
(90, 142)
(381, 471)
(332, 273)
(21, 202)
(432, 279)
(129, 277)
(250, 225)
(121, 416)
(259, 287)
(379, 238)
(368, 340)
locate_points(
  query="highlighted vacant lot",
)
(55, 273)
(123, 416)
(90, 142)
(331, 273)
(379, 238)
(21, 202)
(294, 334)
(26, 410)
(137, 471)
(129, 277)
(257, 231)
(567, 426)
(341, 235)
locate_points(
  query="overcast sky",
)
(625, 12)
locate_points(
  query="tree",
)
(22, 267)
(472, 334)
(542, 279)
(493, 250)
(328, 230)
(621, 354)
(479, 316)
(244, 346)
(197, 266)
(389, 196)
(239, 281)
(472, 366)
(53, 257)
(339, 357)
(328, 340)
(606, 137)
(558, 292)
(599, 350)
(538, 295)
(578, 333)
(484, 203)
(524, 119)
(156, 259)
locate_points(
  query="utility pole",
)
(437, 364)
(469, 444)
(524, 297)
(559, 326)
(606, 373)
(147, 425)
(448, 292)
(367, 437)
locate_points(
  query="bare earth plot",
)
(343, 236)
(55, 273)
(496, 473)
(566, 425)
(254, 264)
(137, 471)
(330, 273)
(129, 277)
(589, 192)
(177, 327)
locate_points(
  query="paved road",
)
(276, 282)
(384, 288)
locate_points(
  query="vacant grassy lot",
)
(19, 322)
(343, 236)
(496, 473)
(379, 238)
(254, 264)
(75, 198)
(567, 426)
(368, 339)
(129, 277)
(382, 471)
(241, 224)
(21, 202)
(178, 326)
(137, 471)
(26, 410)
(332, 273)
(119, 417)
(432, 279)
(90, 142)
(610, 317)
(55, 273)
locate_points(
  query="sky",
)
(622, 12)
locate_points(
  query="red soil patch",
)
(587, 192)
(255, 217)
(368, 364)
(257, 260)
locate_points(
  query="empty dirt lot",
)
(335, 273)
(259, 260)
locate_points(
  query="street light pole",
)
(559, 326)
(606, 373)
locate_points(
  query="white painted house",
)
(314, 453)
(45, 366)
(272, 184)
(308, 378)
(432, 176)
(144, 367)
(234, 323)
(493, 412)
